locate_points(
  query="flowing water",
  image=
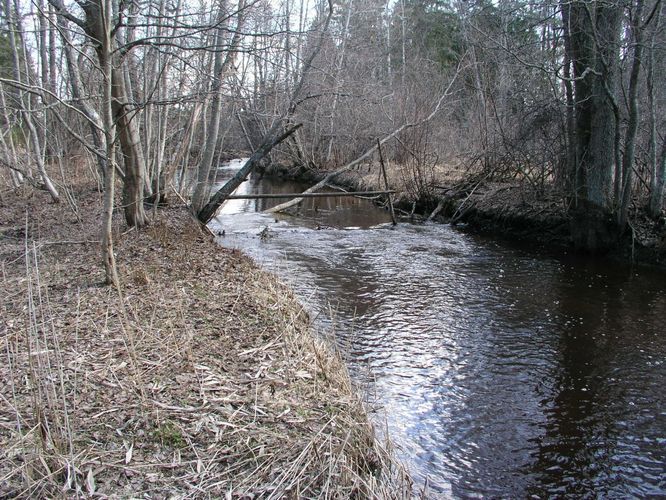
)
(500, 372)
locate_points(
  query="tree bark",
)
(130, 145)
(105, 60)
(597, 47)
(594, 31)
(657, 191)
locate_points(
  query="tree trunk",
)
(8, 145)
(125, 123)
(130, 145)
(202, 188)
(336, 81)
(656, 168)
(105, 60)
(634, 115)
(594, 30)
(572, 175)
(209, 211)
(657, 192)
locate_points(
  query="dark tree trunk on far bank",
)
(594, 32)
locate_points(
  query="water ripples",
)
(499, 373)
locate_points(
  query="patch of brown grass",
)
(204, 380)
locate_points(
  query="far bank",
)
(512, 211)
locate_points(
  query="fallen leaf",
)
(128, 455)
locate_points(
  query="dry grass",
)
(203, 381)
(413, 182)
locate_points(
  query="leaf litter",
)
(205, 380)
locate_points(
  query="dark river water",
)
(499, 372)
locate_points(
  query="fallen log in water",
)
(368, 153)
(336, 194)
(271, 140)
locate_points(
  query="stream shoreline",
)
(513, 212)
(204, 379)
(466, 339)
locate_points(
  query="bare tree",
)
(22, 81)
(223, 63)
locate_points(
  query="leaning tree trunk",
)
(271, 140)
(271, 137)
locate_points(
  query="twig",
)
(68, 242)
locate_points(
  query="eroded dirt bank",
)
(204, 380)
(515, 211)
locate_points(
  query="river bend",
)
(500, 372)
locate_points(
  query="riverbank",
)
(203, 380)
(513, 211)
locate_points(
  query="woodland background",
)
(564, 96)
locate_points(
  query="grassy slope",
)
(204, 380)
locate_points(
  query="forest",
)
(198, 374)
(563, 97)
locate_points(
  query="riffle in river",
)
(500, 372)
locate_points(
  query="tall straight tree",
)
(657, 163)
(99, 27)
(593, 33)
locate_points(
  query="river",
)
(500, 372)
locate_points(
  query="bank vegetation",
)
(563, 99)
(202, 379)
